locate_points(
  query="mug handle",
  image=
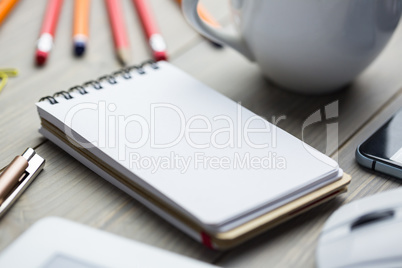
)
(189, 8)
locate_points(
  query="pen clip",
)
(35, 166)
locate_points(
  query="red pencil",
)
(155, 39)
(48, 30)
(119, 30)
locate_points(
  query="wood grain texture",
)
(69, 190)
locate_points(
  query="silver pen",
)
(17, 176)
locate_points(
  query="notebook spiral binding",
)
(126, 73)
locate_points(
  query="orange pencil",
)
(208, 18)
(5, 8)
(81, 21)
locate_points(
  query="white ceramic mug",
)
(308, 46)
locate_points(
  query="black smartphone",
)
(383, 150)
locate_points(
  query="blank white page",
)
(226, 176)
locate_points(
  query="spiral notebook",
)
(207, 165)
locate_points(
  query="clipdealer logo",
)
(135, 131)
(150, 141)
(166, 129)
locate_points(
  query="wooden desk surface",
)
(70, 190)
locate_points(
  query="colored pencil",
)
(81, 21)
(119, 30)
(155, 39)
(208, 18)
(48, 30)
(5, 8)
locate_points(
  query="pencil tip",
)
(123, 55)
(40, 57)
(79, 48)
